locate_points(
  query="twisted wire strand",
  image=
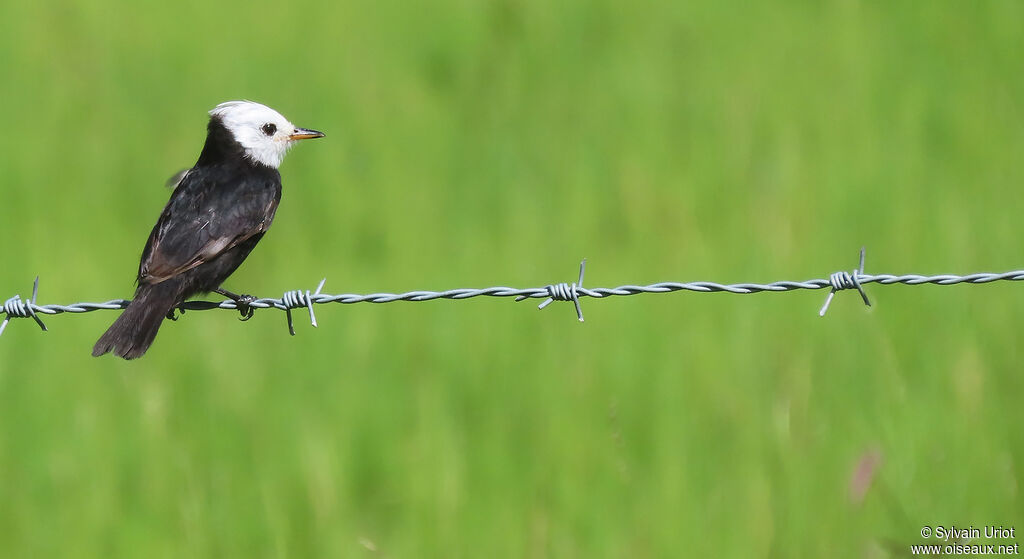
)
(16, 307)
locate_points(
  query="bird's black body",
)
(218, 212)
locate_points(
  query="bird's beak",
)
(305, 134)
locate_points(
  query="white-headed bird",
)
(219, 210)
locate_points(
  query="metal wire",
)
(16, 307)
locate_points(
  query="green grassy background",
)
(496, 143)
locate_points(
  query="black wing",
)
(212, 210)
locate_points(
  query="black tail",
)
(133, 332)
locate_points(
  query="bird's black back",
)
(216, 214)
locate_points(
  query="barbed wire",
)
(16, 307)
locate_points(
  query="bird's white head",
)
(265, 135)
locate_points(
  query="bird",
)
(219, 210)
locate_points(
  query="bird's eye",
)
(269, 129)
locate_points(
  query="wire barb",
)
(297, 299)
(564, 292)
(846, 280)
(15, 307)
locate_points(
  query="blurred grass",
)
(474, 144)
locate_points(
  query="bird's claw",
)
(243, 303)
(172, 316)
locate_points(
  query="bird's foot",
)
(242, 303)
(244, 308)
(172, 316)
